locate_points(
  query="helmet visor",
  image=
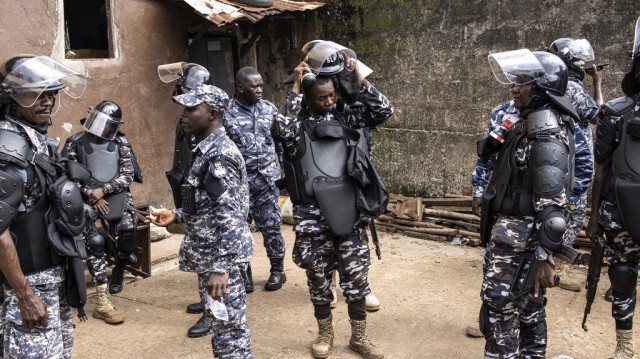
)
(170, 72)
(101, 124)
(636, 42)
(364, 69)
(29, 79)
(581, 49)
(323, 58)
(517, 67)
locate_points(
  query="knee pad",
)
(95, 244)
(624, 277)
(127, 241)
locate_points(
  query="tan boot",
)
(566, 282)
(372, 304)
(360, 343)
(321, 348)
(473, 331)
(624, 345)
(103, 309)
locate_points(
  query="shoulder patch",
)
(218, 166)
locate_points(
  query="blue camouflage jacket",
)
(583, 157)
(217, 235)
(250, 129)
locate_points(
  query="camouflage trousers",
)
(231, 339)
(97, 269)
(577, 220)
(510, 332)
(320, 254)
(266, 213)
(622, 249)
(54, 341)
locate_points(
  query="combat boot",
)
(277, 277)
(566, 282)
(321, 348)
(201, 328)
(195, 308)
(372, 304)
(103, 309)
(117, 276)
(360, 343)
(624, 345)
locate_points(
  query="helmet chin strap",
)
(538, 97)
(575, 73)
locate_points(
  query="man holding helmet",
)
(35, 225)
(614, 199)
(318, 137)
(575, 54)
(108, 155)
(186, 76)
(524, 204)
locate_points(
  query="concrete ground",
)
(429, 293)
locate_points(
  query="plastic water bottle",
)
(218, 309)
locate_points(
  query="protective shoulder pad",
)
(11, 191)
(619, 106)
(15, 148)
(76, 137)
(543, 121)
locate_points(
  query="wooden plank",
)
(408, 222)
(454, 215)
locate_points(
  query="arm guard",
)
(11, 192)
(605, 139)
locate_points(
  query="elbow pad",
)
(552, 228)
(11, 192)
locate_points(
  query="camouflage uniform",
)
(622, 248)
(514, 332)
(316, 248)
(250, 129)
(217, 236)
(56, 340)
(587, 110)
(129, 220)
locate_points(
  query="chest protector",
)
(511, 188)
(318, 173)
(624, 176)
(103, 160)
(29, 229)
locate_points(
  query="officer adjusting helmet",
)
(186, 75)
(104, 120)
(25, 77)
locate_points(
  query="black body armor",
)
(182, 157)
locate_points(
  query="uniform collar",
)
(258, 104)
(38, 139)
(206, 144)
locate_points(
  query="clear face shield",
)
(102, 125)
(171, 72)
(364, 69)
(581, 50)
(517, 67)
(321, 53)
(31, 78)
(636, 43)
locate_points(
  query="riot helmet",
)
(517, 67)
(559, 46)
(26, 77)
(186, 75)
(553, 84)
(570, 51)
(104, 120)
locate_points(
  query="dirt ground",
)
(429, 293)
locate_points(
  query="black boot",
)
(248, 280)
(195, 308)
(117, 275)
(277, 277)
(199, 329)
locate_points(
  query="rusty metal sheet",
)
(222, 12)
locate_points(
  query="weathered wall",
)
(149, 34)
(429, 58)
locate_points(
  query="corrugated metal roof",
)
(221, 12)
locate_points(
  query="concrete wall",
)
(149, 33)
(429, 58)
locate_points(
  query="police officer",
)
(218, 245)
(36, 315)
(523, 213)
(248, 124)
(329, 235)
(615, 199)
(575, 53)
(186, 77)
(107, 153)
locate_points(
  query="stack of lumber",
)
(440, 219)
